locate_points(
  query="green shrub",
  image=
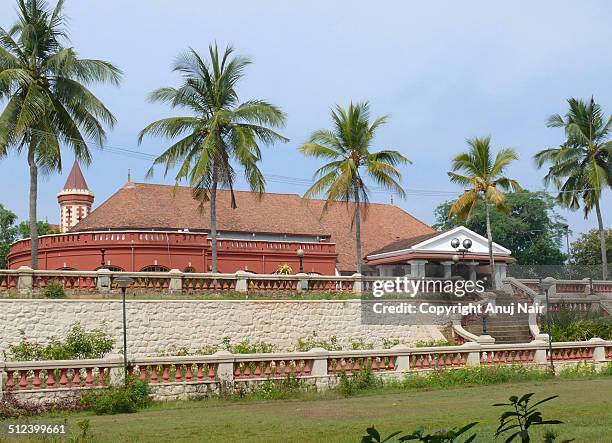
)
(433, 343)
(388, 343)
(54, 289)
(482, 375)
(246, 347)
(313, 341)
(568, 325)
(133, 396)
(276, 390)
(359, 382)
(582, 369)
(360, 343)
(79, 343)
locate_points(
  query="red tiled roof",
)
(405, 243)
(151, 206)
(75, 178)
(382, 224)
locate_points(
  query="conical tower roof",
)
(75, 179)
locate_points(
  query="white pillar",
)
(500, 274)
(448, 269)
(357, 284)
(302, 285)
(417, 268)
(176, 281)
(241, 281)
(472, 268)
(25, 280)
(104, 280)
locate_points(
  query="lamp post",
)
(300, 254)
(102, 260)
(546, 285)
(123, 283)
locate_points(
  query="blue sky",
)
(443, 70)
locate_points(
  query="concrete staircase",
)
(504, 328)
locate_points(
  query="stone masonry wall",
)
(155, 326)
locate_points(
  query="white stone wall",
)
(161, 325)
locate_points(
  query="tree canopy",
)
(586, 249)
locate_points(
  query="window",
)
(112, 268)
(154, 268)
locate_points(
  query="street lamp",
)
(102, 260)
(546, 284)
(300, 254)
(123, 282)
(467, 244)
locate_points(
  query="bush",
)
(54, 289)
(79, 343)
(313, 341)
(133, 396)
(433, 343)
(472, 376)
(246, 347)
(10, 407)
(570, 325)
(359, 382)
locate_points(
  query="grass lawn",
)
(585, 405)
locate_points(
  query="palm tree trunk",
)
(213, 224)
(602, 241)
(357, 232)
(490, 241)
(33, 210)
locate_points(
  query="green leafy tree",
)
(531, 228)
(8, 234)
(48, 104)
(581, 168)
(586, 250)
(347, 147)
(483, 174)
(220, 132)
(43, 228)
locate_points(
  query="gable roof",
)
(438, 242)
(75, 179)
(381, 225)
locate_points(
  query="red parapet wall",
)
(134, 251)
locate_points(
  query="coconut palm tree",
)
(482, 172)
(347, 148)
(581, 168)
(48, 104)
(220, 132)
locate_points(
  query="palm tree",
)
(220, 131)
(483, 176)
(48, 104)
(581, 168)
(347, 147)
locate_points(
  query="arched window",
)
(112, 268)
(154, 268)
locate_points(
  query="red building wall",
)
(133, 251)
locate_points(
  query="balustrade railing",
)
(317, 364)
